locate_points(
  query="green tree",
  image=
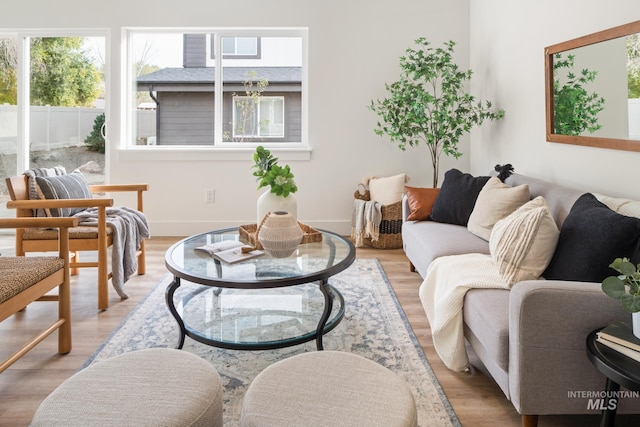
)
(95, 141)
(429, 104)
(633, 65)
(575, 110)
(8, 78)
(246, 120)
(61, 73)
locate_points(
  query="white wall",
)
(507, 55)
(354, 48)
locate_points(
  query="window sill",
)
(181, 154)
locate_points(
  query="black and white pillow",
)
(71, 186)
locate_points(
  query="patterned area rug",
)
(374, 326)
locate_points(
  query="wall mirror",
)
(592, 86)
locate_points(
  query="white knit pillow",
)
(495, 201)
(523, 243)
(388, 190)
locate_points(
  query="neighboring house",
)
(185, 96)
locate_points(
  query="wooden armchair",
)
(27, 279)
(81, 238)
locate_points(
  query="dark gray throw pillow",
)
(71, 186)
(591, 237)
(457, 197)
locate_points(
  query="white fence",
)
(55, 127)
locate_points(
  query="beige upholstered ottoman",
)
(328, 388)
(153, 387)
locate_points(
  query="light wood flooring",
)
(476, 399)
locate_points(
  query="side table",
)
(619, 369)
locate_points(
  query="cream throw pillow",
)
(495, 201)
(523, 243)
(387, 190)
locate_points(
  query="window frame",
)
(215, 33)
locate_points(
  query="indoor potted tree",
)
(429, 103)
(626, 288)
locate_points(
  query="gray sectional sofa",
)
(531, 339)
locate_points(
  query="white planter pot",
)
(270, 202)
(635, 323)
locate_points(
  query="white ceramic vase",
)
(635, 323)
(270, 202)
(279, 234)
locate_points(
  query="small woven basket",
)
(390, 236)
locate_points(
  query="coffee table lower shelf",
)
(250, 319)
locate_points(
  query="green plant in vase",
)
(626, 288)
(281, 181)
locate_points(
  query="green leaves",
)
(575, 110)
(267, 172)
(429, 105)
(626, 286)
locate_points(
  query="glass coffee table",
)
(259, 303)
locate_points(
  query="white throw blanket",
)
(442, 294)
(365, 221)
(128, 228)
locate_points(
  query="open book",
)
(230, 251)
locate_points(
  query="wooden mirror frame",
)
(549, 52)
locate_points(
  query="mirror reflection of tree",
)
(633, 65)
(575, 109)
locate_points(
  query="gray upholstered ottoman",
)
(152, 387)
(327, 388)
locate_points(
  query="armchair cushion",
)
(71, 186)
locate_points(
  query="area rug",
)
(374, 327)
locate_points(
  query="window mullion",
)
(218, 87)
(23, 100)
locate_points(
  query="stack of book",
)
(619, 337)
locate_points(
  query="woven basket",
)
(390, 236)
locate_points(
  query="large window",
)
(52, 103)
(184, 94)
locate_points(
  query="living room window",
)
(53, 93)
(253, 94)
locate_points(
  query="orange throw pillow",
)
(420, 202)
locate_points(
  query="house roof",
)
(229, 74)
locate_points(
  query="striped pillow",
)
(71, 186)
(523, 243)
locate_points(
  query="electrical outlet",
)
(210, 196)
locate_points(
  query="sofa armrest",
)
(549, 321)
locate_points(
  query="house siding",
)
(195, 50)
(186, 118)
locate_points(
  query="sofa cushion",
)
(486, 315)
(425, 241)
(457, 197)
(420, 202)
(495, 201)
(71, 186)
(591, 237)
(523, 243)
(387, 190)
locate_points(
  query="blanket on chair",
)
(442, 295)
(128, 228)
